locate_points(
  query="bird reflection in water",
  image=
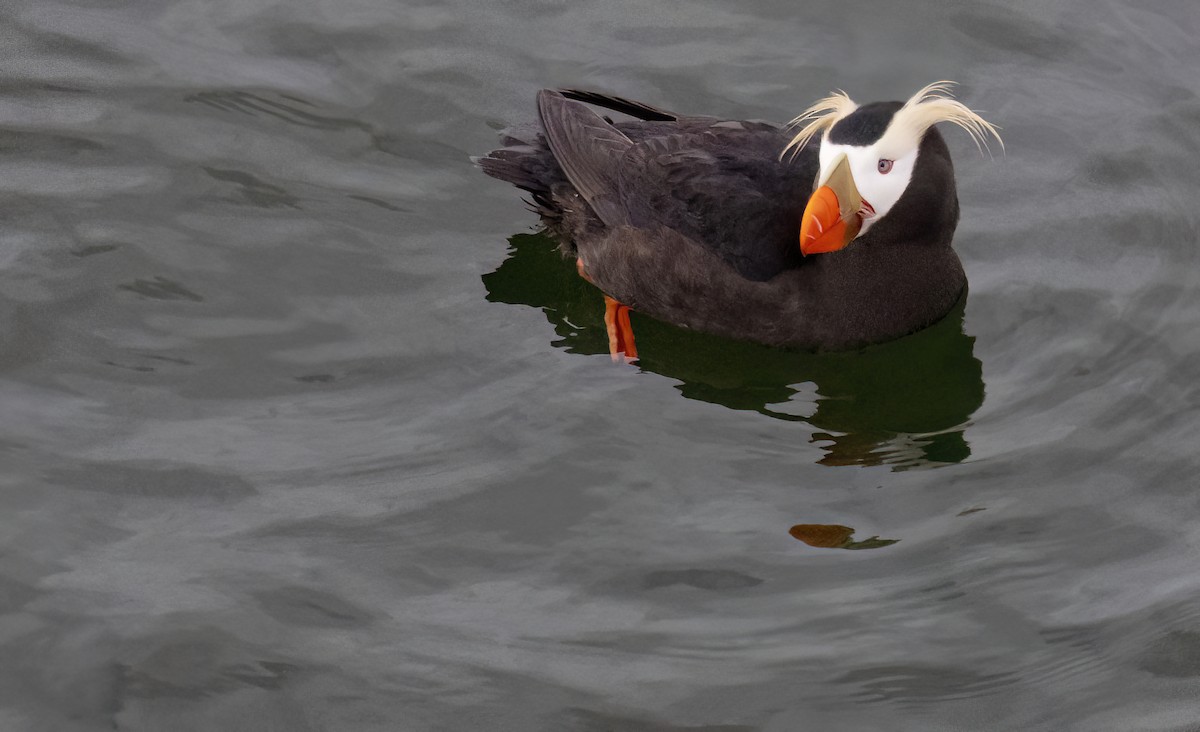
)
(905, 403)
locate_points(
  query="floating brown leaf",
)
(829, 536)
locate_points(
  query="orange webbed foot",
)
(621, 345)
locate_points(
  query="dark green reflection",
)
(903, 403)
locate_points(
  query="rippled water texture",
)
(304, 428)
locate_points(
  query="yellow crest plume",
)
(934, 104)
(927, 107)
(818, 118)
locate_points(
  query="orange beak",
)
(831, 219)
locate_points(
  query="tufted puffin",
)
(830, 233)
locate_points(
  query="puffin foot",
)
(620, 331)
(579, 268)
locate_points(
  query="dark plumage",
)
(695, 221)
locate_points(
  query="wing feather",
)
(588, 149)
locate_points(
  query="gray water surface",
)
(304, 428)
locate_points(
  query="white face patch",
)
(881, 190)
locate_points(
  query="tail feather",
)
(527, 167)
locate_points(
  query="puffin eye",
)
(885, 166)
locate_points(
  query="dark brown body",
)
(695, 220)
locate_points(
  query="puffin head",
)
(883, 167)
